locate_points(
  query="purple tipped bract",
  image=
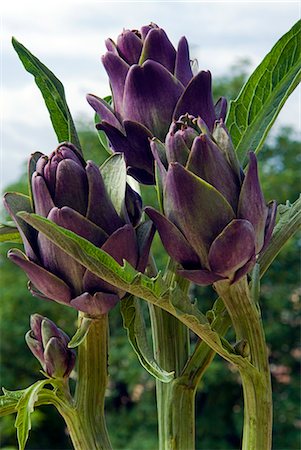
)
(215, 219)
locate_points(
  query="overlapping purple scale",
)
(202, 277)
(159, 158)
(15, 202)
(56, 260)
(56, 359)
(135, 146)
(270, 223)
(122, 244)
(35, 325)
(132, 210)
(139, 153)
(65, 151)
(176, 147)
(157, 47)
(35, 346)
(252, 206)
(129, 46)
(146, 29)
(70, 178)
(95, 305)
(220, 108)
(117, 70)
(46, 282)
(185, 194)
(40, 164)
(173, 240)
(183, 70)
(111, 46)
(104, 110)
(232, 248)
(144, 234)
(150, 96)
(197, 100)
(208, 162)
(42, 199)
(245, 269)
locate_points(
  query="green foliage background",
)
(130, 406)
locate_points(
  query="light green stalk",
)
(246, 319)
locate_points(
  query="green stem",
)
(181, 416)
(246, 319)
(91, 387)
(171, 349)
(203, 355)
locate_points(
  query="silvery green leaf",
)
(114, 176)
(133, 322)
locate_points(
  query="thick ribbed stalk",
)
(246, 319)
(90, 389)
(171, 349)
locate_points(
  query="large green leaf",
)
(170, 298)
(254, 111)
(113, 172)
(9, 401)
(25, 407)
(9, 233)
(53, 93)
(134, 323)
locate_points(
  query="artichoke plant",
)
(151, 84)
(72, 194)
(215, 219)
(49, 344)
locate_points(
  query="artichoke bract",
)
(72, 193)
(151, 83)
(215, 217)
(49, 344)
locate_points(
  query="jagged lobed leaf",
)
(125, 277)
(25, 407)
(98, 261)
(133, 322)
(254, 111)
(9, 401)
(53, 93)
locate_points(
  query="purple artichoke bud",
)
(232, 225)
(152, 83)
(49, 344)
(72, 194)
(179, 140)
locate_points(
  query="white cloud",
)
(68, 36)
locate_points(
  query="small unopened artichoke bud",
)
(49, 344)
(242, 348)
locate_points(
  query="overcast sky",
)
(68, 36)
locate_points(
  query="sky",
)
(68, 37)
